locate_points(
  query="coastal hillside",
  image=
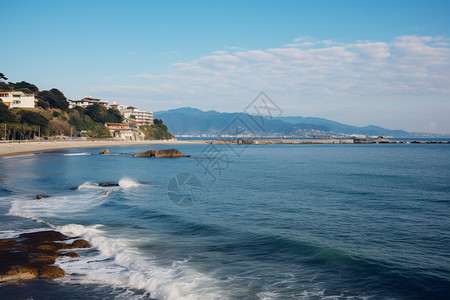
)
(192, 121)
(51, 116)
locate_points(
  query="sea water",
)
(239, 222)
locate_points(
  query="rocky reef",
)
(32, 255)
(160, 153)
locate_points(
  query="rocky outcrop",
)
(40, 196)
(107, 184)
(32, 255)
(160, 153)
(105, 152)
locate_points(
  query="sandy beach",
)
(29, 148)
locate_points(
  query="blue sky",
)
(359, 62)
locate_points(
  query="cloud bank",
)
(307, 77)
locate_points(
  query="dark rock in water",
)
(40, 196)
(33, 255)
(160, 153)
(51, 272)
(80, 244)
(74, 188)
(106, 184)
(49, 235)
(104, 152)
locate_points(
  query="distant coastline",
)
(26, 148)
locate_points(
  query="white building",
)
(141, 117)
(86, 101)
(18, 99)
(133, 114)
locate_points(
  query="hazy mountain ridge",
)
(193, 121)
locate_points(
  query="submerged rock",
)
(33, 255)
(106, 184)
(105, 152)
(160, 153)
(40, 196)
(74, 188)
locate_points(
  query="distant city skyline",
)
(385, 63)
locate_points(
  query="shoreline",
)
(27, 148)
(16, 149)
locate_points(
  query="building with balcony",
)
(132, 114)
(18, 99)
(86, 101)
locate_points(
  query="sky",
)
(377, 62)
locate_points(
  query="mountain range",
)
(193, 121)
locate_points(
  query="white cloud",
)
(375, 50)
(220, 52)
(311, 75)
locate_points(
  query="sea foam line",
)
(117, 262)
(137, 271)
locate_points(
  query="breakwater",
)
(318, 141)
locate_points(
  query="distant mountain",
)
(344, 128)
(192, 121)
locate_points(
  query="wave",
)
(121, 264)
(77, 154)
(114, 260)
(124, 183)
(127, 183)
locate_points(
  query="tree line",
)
(52, 115)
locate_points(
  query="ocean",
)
(239, 222)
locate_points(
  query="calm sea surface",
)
(267, 222)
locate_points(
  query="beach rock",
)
(51, 272)
(105, 152)
(106, 184)
(44, 236)
(40, 196)
(160, 153)
(33, 255)
(80, 244)
(69, 254)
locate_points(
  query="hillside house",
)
(18, 99)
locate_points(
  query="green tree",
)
(5, 87)
(6, 115)
(42, 103)
(2, 76)
(54, 98)
(24, 85)
(114, 116)
(97, 112)
(33, 118)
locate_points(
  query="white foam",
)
(89, 185)
(53, 207)
(9, 234)
(115, 260)
(128, 183)
(124, 183)
(77, 154)
(130, 268)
